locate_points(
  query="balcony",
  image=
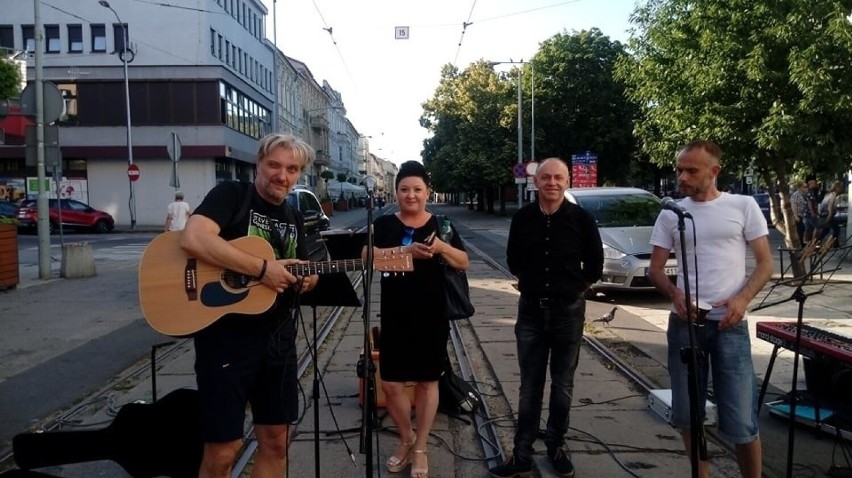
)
(319, 122)
(322, 159)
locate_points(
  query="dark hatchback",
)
(8, 209)
(315, 221)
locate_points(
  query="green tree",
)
(580, 105)
(769, 80)
(10, 79)
(471, 147)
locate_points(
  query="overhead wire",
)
(465, 24)
(328, 28)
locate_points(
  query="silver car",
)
(625, 218)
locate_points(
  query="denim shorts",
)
(728, 354)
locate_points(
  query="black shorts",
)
(244, 363)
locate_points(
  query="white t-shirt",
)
(179, 210)
(723, 228)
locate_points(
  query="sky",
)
(384, 81)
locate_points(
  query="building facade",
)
(206, 73)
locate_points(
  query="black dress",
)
(414, 333)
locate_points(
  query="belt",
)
(547, 302)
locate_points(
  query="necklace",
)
(545, 212)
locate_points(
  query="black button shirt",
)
(554, 256)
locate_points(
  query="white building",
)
(203, 69)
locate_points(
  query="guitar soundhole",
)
(235, 280)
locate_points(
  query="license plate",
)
(670, 271)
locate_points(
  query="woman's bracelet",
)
(262, 270)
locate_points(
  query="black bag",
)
(456, 290)
(457, 396)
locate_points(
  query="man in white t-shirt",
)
(724, 224)
(176, 214)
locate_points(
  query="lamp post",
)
(520, 127)
(125, 59)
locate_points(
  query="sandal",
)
(396, 464)
(420, 472)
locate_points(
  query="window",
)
(242, 113)
(75, 39)
(99, 38)
(119, 34)
(51, 36)
(219, 49)
(213, 42)
(227, 52)
(28, 37)
(7, 37)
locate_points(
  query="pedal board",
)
(660, 402)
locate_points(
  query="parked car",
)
(625, 218)
(74, 214)
(8, 209)
(316, 221)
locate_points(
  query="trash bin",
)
(78, 260)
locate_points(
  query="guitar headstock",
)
(393, 260)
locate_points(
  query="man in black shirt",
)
(555, 251)
(251, 358)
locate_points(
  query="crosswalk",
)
(124, 252)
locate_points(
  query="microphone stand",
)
(690, 356)
(368, 412)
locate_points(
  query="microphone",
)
(672, 205)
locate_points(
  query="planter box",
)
(9, 276)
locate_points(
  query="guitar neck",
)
(326, 267)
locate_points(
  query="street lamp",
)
(520, 127)
(125, 59)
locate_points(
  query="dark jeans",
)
(542, 333)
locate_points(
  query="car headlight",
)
(612, 253)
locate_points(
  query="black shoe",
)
(512, 468)
(561, 463)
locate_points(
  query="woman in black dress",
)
(414, 332)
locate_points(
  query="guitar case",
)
(147, 440)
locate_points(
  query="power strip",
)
(839, 471)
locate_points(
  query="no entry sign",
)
(133, 172)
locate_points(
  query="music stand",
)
(334, 290)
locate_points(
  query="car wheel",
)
(102, 227)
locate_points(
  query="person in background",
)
(176, 214)
(828, 211)
(555, 251)
(724, 224)
(799, 205)
(811, 214)
(414, 328)
(251, 359)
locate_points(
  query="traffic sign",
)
(133, 172)
(531, 168)
(519, 170)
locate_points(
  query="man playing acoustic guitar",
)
(251, 358)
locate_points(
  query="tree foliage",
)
(579, 107)
(10, 80)
(769, 80)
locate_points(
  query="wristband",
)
(262, 270)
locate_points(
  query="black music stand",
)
(799, 295)
(333, 290)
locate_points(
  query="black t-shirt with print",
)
(280, 225)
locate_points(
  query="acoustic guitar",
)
(181, 295)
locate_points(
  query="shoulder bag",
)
(456, 289)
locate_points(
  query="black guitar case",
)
(147, 440)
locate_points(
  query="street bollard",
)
(78, 260)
